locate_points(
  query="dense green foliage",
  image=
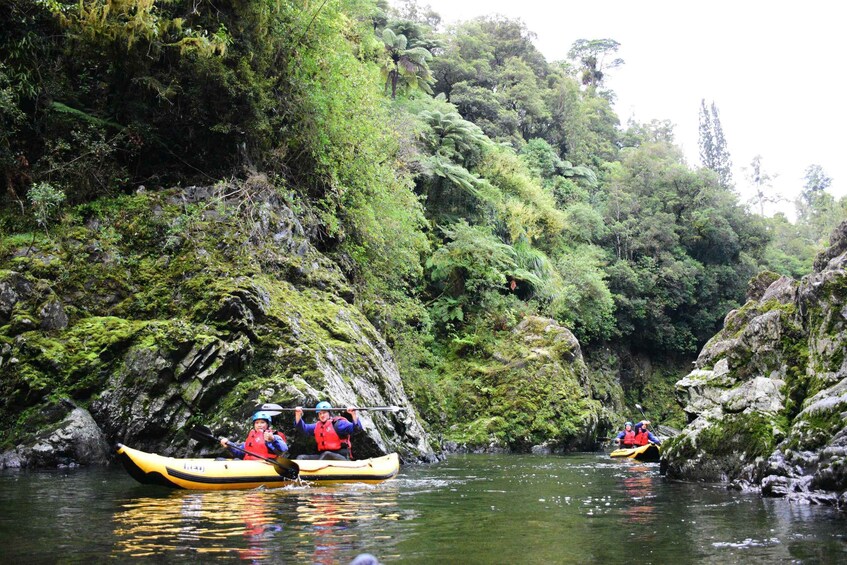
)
(458, 179)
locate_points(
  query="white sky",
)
(774, 69)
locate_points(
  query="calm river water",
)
(583, 508)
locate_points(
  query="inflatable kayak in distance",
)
(649, 452)
(224, 474)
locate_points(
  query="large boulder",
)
(74, 440)
(533, 394)
(767, 400)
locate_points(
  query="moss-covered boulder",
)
(767, 400)
(533, 392)
(157, 312)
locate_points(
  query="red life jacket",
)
(255, 442)
(328, 439)
(628, 438)
(642, 437)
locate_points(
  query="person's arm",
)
(357, 423)
(277, 444)
(304, 428)
(347, 428)
(653, 438)
(235, 449)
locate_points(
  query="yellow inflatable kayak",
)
(213, 474)
(649, 452)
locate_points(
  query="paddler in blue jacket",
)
(261, 440)
(626, 438)
(641, 431)
(332, 433)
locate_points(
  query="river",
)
(581, 508)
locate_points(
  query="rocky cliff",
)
(767, 399)
(137, 318)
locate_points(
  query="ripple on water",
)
(749, 542)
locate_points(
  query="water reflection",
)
(259, 528)
(581, 508)
(308, 524)
(180, 522)
(638, 485)
(334, 525)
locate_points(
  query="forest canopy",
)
(461, 179)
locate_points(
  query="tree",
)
(817, 181)
(593, 56)
(408, 65)
(678, 245)
(713, 151)
(452, 136)
(707, 137)
(762, 185)
(817, 211)
(411, 10)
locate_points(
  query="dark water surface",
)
(583, 508)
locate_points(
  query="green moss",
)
(517, 389)
(480, 432)
(656, 394)
(749, 434)
(73, 361)
(816, 428)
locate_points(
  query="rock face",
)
(767, 400)
(179, 318)
(76, 440)
(535, 394)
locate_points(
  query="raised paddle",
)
(274, 409)
(289, 468)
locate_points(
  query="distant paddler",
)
(626, 438)
(643, 436)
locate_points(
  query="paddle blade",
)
(202, 433)
(286, 467)
(271, 409)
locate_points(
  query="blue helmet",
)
(323, 405)
(262, 416)
(628, 424)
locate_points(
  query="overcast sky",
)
(775, 71)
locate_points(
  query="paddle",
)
(274, 409)
(290, 468)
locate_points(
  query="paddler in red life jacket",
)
(332, 433)
(626, 438)
(262, 440)
(643, 436)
